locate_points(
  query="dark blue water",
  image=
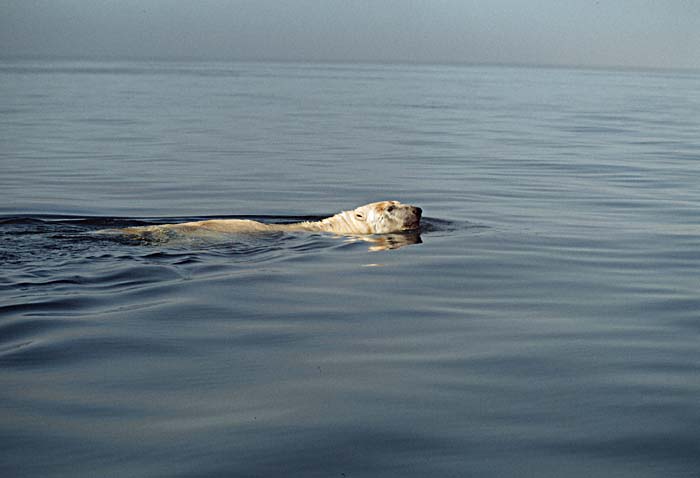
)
(545, 323)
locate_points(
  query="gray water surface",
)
(545, 324)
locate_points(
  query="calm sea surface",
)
(545, 324)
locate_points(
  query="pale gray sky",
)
(647, 33)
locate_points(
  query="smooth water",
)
(545, 323)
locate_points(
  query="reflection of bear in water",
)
(383, 217)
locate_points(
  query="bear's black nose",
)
(418, 211)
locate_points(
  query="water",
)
(544, 324)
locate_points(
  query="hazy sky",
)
(656, 33)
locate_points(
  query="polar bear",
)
(384, 217)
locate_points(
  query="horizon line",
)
(359, 61)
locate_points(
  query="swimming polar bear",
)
(384, 217)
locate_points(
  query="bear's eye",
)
(390, 208)
(359, 215)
